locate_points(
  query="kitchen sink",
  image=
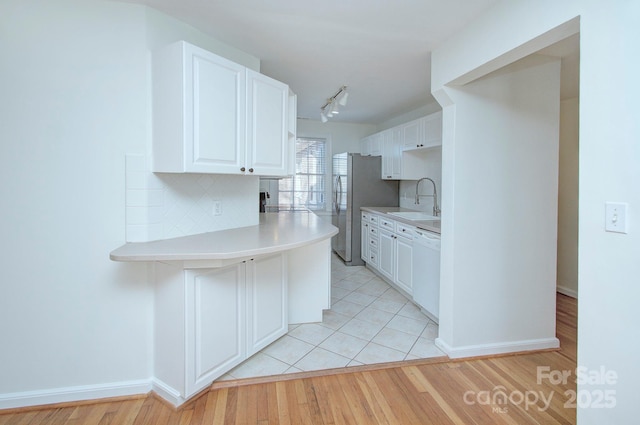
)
(414, 215)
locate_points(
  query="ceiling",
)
(380, 49)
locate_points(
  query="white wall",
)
(74, 84)
(568, 198)
(609, 166)
(498, 295)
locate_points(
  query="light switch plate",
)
(616, 217)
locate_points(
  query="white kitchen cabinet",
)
(391, 154)
(403, 276)
(371, 145)
(423, 133)
(369, 239)
(386, 253)
(412, 133)
(364, 238)
(432, 130)
(266, 301)
(213, 297)
(267, 126)
(211, 115)
(392, 253)
(210, 320)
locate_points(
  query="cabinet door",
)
(396, 159)
(433, 130)
(412, 134)
(404, 264)
(386, 254)
(376, 144)
(215, 321)
(267, 125)
(387, 155)
(214, 113)
(364, 240)
(267, 318)
(365, 146)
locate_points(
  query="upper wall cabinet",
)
(402, 158)
(425, 132)
(211, 115)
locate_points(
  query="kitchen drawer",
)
(385, 223)
(373, 257)
(373, 220)
(373, 232)
(365, 217)
(373, 242)
(404, 230)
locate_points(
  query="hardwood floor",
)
(506, 389)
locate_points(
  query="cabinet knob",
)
(243, 169)
(251, 170)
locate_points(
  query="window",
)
(306, 189)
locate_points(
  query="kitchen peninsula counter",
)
(276, 232)
(221, 297)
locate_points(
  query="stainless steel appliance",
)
(426, 272)
(357, 183)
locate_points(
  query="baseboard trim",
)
(166, 392)
(567, 291)
(497, 348)
(74, 394)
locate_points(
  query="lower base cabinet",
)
(226, 315)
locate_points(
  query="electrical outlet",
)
(615, 217)
(217, 208)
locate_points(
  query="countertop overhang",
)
(276, 232)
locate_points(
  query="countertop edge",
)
(421, 224)
(276, 232)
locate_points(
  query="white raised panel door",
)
(215, 322)
(412, 134)
(386, 254)
(376, 144)
(267, 125)
(387, 155)
(433, 130)
(365, 146)
(198, 111)
(267, 311)
(396, 158)
(215, 99)
(404, 264)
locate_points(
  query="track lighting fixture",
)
(332, 105)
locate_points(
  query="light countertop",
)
(429, 225)
(276, 232)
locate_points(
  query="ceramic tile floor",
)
(369, 322)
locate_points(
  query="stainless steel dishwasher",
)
(426, 272)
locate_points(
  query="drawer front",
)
(373, 242)
(387, 224)
(373, 257)
(365, 217)
(404, 230)
(373, 220)
(373, 232)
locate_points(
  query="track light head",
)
(332, 105)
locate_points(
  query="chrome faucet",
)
(436, 207)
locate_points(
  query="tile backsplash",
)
(167, 205)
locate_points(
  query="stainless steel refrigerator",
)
(357, 183)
